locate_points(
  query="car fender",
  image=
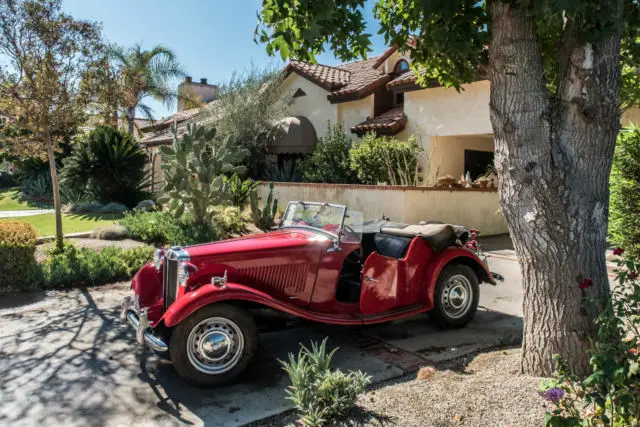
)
(452, 256)
(209, 294)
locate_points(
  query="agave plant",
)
(110, 165)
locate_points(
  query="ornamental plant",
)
(194, 166)
(329, 162)
(322, 395)
(610, 394)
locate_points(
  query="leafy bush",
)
(624, 213)
(330, 161)
(73, 194)
(238, 190)
(378, 159)
(193, 168)
(75, 266)
(18, 267)
(609, 395)
(110, 165)
(163, 228)
(95, 207)
(112, 232)
(320, 394)
(263, 218)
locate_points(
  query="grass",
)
(45, 224)
(10, 201)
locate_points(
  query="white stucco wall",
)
(354, 112)
(447, 153)
(314, 106)
(470, 208)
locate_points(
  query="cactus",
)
(263, 217)
(194, 166)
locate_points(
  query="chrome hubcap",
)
(215, 345)
(457, 296)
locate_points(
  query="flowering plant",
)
(610, 395)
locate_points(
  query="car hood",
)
(274, 240)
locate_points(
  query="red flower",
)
(586, 283)
(618, 251)
(632, 275)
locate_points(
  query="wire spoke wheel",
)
(457, 296)
(215, 345)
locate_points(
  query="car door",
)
(390, 283)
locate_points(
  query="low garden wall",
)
(472, 208)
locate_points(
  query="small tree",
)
(247, 112)
(382, 159)
(624, 216)
(43, 56)
(330, 159)
(193, 167)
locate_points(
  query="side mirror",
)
(335, 246)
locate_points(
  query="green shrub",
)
(112, 232)
(610, 391)
(624, 212)
(330, 161)
(96, 207)
(110, 165)
(75, 266)
(238, 190)
(7, 179)
(380, 159)
(38, 186)
(162, 228)
(263, 218)
(289, 170)
(320, 394)
(18, 267)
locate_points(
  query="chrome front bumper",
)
(131, 313)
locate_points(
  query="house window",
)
(477, 162)
(299, 93)
(402, 66)
(399, 98)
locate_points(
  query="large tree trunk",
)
(553, 155)
(131, 115)
(56, 190)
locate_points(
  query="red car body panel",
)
(296, 270)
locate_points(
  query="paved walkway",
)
(29, 212)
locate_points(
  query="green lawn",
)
(45, 224)
(9, 201)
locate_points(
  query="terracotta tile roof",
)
(364, 80)
(388, 123)
(405, 79)
(165, 123)
(329, 78)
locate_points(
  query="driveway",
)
(65, 359)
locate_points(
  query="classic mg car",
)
(322, 264)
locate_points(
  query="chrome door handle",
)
(370, 279)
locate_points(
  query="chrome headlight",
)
(157, 258)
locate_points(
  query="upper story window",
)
(402, 66)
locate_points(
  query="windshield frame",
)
(307, 227)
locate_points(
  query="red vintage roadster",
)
(322, 264)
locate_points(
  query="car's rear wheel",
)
(456, 296)
(214, 345)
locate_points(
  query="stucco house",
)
(380, 95)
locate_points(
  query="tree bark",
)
(56, 189)
(131, 114)
(553, 155)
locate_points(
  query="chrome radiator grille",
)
(169, 280)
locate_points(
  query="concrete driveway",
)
(65, 359)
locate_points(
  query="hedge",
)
(18, 267)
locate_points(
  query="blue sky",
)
(211, 38)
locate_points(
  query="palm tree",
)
(142, 74)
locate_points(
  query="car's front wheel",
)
(456, 296)
(214, 345)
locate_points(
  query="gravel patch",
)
(485, 391)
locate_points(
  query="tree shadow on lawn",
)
(88, 216)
